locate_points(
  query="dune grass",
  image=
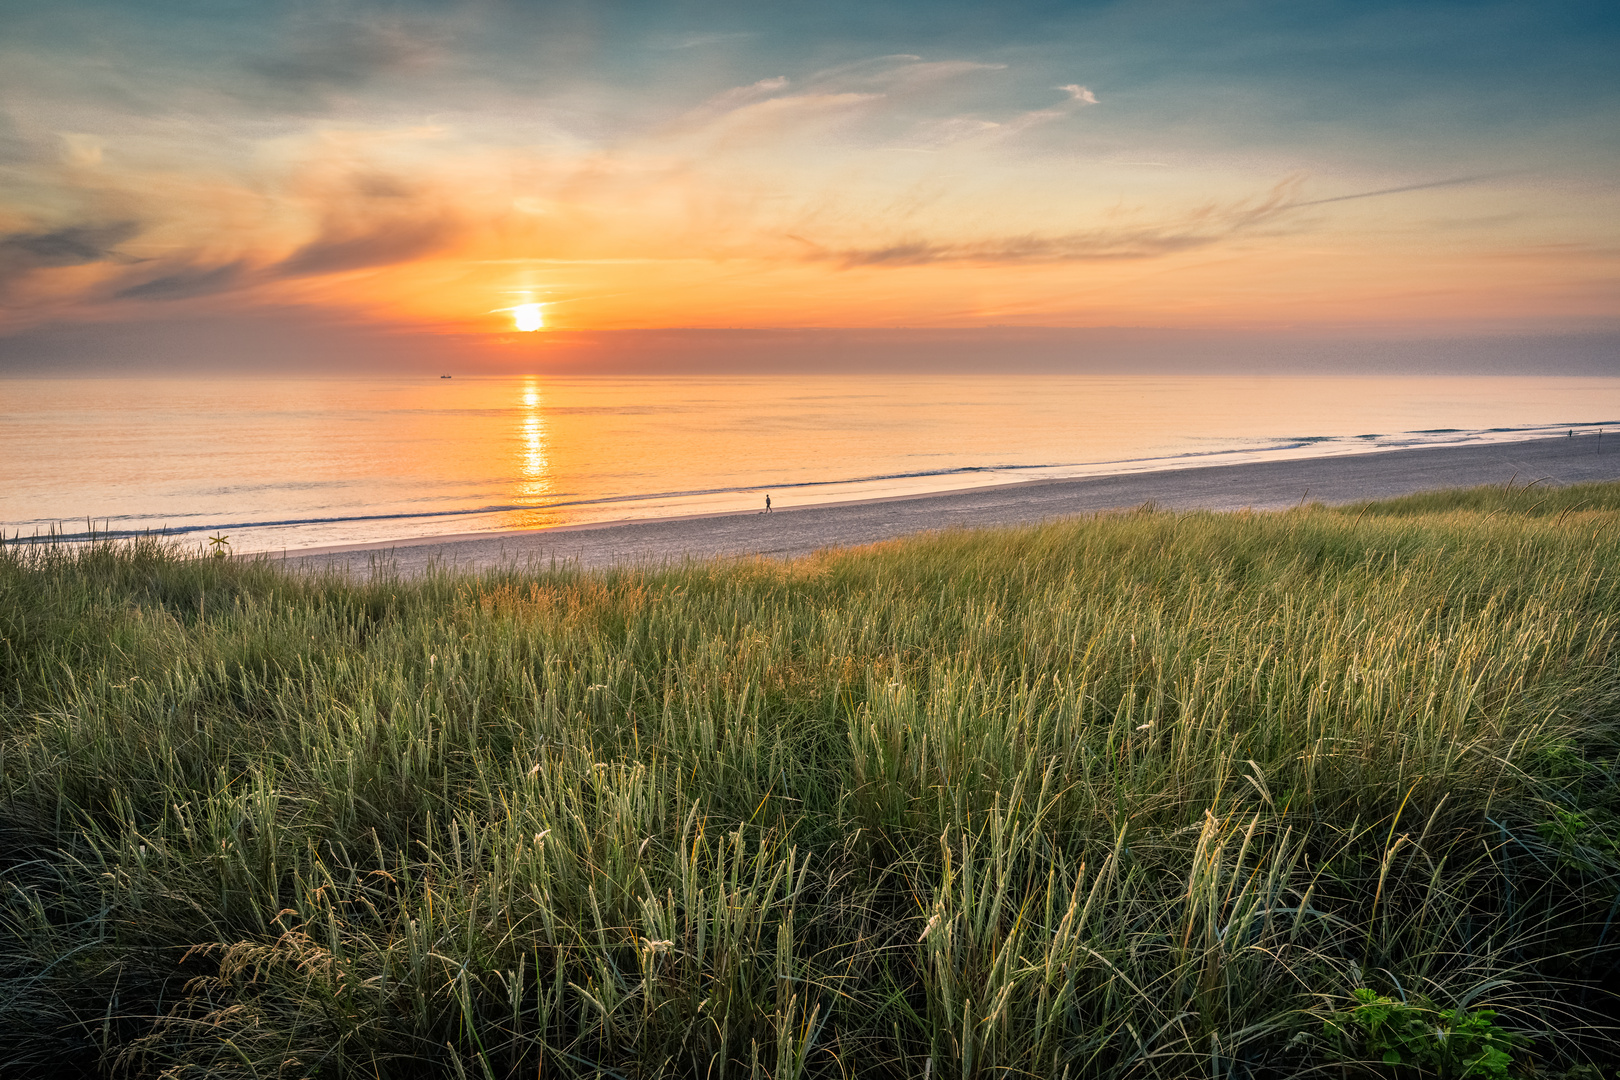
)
(1149, 794)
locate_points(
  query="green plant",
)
(1107, 796)
(1580, 840)
(219, 545)
(1447, 1042)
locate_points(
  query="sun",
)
(528, 317)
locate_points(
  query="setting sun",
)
(528, 316)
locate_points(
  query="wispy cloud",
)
(1457, 181)
(974, 128)
(343, 246)
(760, 108)
(904, 83)
(1079, 98)
(939, 134)
(728, 101)
(24, 253)
(345, 54)
(369, 217)
(420, 162)
(897, 71)
(678, 42)
(761, 111)
(68, 246)
(187, 283)
(1208, 225)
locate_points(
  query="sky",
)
(263, 185)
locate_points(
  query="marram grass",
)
(1144, 795)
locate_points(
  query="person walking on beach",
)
(767, 504)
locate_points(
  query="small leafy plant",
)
(1583, 841)
(220, 545)
(1418, 1037)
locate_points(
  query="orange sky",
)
(430, 173)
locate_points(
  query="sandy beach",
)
(790, 531)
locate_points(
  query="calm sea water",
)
(291, 463)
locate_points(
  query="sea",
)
(282, 464)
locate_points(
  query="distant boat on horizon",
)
(444, 376)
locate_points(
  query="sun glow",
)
(528, 317)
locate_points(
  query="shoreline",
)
(795, 531)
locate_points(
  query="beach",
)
(1100, 772)
(790, 531)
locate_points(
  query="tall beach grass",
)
(1144, 795)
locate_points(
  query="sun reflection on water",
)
(533, 477)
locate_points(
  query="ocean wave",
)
(124, 526)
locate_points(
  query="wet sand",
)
(791, 531)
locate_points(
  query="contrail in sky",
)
(1397, 190)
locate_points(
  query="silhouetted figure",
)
(767, 504)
